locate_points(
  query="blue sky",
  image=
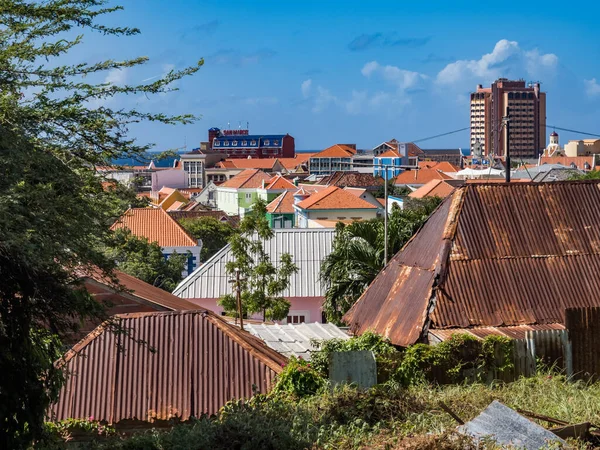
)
(354, 71)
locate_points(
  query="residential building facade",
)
(241, 144)
(526, 105)
(336, 158)
(195, 163)
(237, 195)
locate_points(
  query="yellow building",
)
(584, 147)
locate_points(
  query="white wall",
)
(173, 178)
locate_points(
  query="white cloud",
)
(403, 79)
(306, 88)
(357, 102)
(592, 88)
(323, 99)
(506, 59)
(117, 76)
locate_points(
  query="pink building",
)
(308, 247)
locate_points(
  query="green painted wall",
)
(271, 218)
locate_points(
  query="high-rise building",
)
(527, 107)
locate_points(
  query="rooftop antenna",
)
(247, 125)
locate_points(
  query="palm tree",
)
(357, 255)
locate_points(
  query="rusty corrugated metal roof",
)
(169, 364)
(517, 332)
(491, 255)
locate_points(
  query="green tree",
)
(262, 282)
(55, 127)
(213, 233)
(394, 191)
(143, 259)
(358, 253)
(591, 175)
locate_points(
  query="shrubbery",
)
(299, 379)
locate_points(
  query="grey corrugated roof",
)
(308, 247)
(294, 340)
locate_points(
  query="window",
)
(248, 195)
(253, 143)
(244, 143)
(267, 142)
(226, 143)
(275, 143)
(296, 319)
(234, 143)
(217, 143)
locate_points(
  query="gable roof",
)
(352, 179)
(299, 159)
(334, 198)
(308, 247)
(155, 225)
(336, 151)
(169, 364)
(247, 179)
(579, 161)
(138, 290)
(436, 188)
(390, 154)
(278, 182)
(490, 255)
(444, 166)
(250, 163)
(282, 204)
(420, 176)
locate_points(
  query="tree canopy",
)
(262, 280)
(213, 233)
(358, 253)
(55, 127)
(145, 260)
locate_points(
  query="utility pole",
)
(507, 159)
(385, 218)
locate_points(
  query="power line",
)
(440, 135)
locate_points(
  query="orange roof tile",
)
(336, 151)
(433, 188)
(390, 154)
(381, 201)
(444, 166)
(251, 163)
(175, 206)
(420, 176)
(292, 163)
(278, 182)
(357, 192)
(283, 204)
(155, 225)
(247, 179)
(334, 198)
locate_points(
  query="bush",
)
(386, 355)
(299, 379)
(462, 357)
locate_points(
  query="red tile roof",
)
(420, 176)
(334, 198)
(444, 166)
(247, 179)
(292, 163)
(579, 161)
(250, 163)
(433, 188)
(491, 255)
(278, 182)
(390, 154)
(283, 204)
(352, 179)
(336, 151)
(155, 225)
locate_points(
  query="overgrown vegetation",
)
(388, 416)
(358, 253)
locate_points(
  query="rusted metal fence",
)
(584, 332)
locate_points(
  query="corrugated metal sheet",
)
(584, 332)
(508, 254)
(171, 364)
(395, 303)
(517, 332)
(295, 340)
(308, 247)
